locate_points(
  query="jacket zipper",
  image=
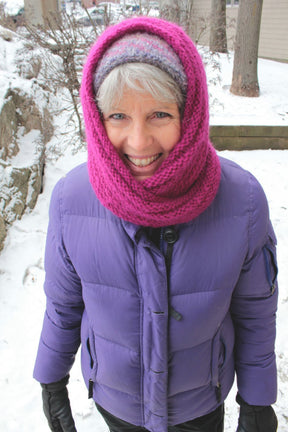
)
(170, 236)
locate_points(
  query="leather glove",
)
(56, 406)
(255, 418)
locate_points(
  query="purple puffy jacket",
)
(106, 288)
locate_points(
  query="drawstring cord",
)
(170, 236)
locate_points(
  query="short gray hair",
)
(141, 77)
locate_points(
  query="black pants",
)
(212, 422)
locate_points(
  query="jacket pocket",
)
(90, 345)
(218, 356)
(269, 251)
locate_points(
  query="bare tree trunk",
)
(170, 10)
(188, 17)
(218, 37)
(245, 75)
(180, 12)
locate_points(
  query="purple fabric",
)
(106, 288)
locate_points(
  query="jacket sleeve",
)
(60, 336)
(254, 306)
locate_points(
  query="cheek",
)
(113, 135)
(171, 137)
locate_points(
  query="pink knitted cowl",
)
(188, 179)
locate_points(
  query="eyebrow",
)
(157, 107)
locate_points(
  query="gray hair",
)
(141, 77)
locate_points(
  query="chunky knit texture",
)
(188, 179)
(141, 48)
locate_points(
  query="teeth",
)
(142, 162)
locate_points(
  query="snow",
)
(22, 301)
(12, 7)
(269, 109)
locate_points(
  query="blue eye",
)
(161, 115)
(117, 116)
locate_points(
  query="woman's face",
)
(143, 131)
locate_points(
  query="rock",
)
(31, 69)
(23, 127)
(2, 232)
(35, 185)
(27, 113)
(20, 188)
(8, 129)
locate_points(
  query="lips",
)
(144, 166)
(142, 161)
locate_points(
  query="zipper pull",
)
(175, 314)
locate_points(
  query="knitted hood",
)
(188, 179)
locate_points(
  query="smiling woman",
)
(160, 256)
(143, 130)
(141, 106)
(144, 64)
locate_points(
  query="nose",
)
(140, 137)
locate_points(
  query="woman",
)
(160, 257)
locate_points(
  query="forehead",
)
(133, 99)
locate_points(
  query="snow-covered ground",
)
(12, 6)
(22, 300)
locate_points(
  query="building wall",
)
(273, 41)
(274, 31)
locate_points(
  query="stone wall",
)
(249, 137)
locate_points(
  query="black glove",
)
(56, 406)
(255, 418)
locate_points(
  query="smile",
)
(143, 162)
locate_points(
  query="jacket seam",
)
(97, 216)
(56, 351)
(108, 286)
(137, 398)
(60, 204)
(115, 343)
(190, 390)
(60, 201)
(192, 347)
(250, 214)
(195, 292)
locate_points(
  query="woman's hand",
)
(254, 418)
(56, 406)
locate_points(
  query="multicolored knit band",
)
(142, 48)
